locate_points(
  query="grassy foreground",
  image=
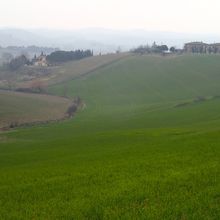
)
(134, 152)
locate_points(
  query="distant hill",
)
(97, 39)
(18, 37)
(7, 53)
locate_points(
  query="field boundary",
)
(196, 101)
(74, 107)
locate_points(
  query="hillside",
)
(142, 86)
(146, 146)
(20, 108)
(27, 75)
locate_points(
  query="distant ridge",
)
(97, 39)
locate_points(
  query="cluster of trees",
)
(74, 107)
(153, 49)
(28, 51)
(18, 62)
(55, 57)
(64, 56)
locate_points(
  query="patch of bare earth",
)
(24, 108)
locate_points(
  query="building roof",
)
(201, 43)
(215, 44)
(196, 43)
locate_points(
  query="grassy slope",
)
(130, 154)
(70, 70)
(22, 108)
(146, 89)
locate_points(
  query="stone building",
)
(200, 47)
(40, 61)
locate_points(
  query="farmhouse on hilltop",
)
(200, 47)
(40, 61)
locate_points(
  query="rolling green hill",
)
(147, 88)
(146, 146)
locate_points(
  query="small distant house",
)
(40, 60)
(166, 52)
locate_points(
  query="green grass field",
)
(132, 153)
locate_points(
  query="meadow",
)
(146, 146)
(20, 108)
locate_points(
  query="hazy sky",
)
(165, 15)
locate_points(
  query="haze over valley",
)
(98, 39)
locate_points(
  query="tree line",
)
(154, 48)
(55, 57)
(18, 62)
(64, 56)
